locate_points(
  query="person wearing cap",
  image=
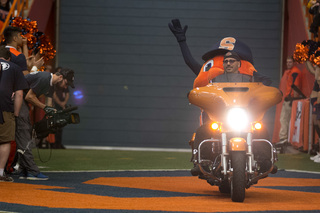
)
(231, 62)
(213, 58)
(231, 65)
(219, 66)
(40, 83)
(60, 99)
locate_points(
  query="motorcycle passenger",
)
(231, 65)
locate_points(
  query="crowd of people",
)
(21, 86)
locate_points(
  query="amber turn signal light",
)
(257, 126)
(215, 126)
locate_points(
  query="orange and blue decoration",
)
(307, 50)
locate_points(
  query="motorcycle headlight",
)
(237, 119)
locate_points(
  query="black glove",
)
(49, 110)
(177, 30)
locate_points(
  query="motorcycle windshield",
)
(217, 98)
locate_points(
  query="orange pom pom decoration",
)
(35, 39)
(300, 54)
(46, 48)
(316, 60)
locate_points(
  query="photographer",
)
(60, 99)
(40, 83)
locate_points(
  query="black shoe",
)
(195, 171)
(274, 170)
(282, 142)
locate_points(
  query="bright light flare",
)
(78, 94)
(215, 126)
(237, 119)
(257, 126)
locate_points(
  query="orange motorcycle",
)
(237, 154)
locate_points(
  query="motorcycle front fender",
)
(238, 144)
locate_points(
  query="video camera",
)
(54, 121)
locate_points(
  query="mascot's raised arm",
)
(213, 65)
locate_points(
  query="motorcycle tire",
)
(238, 180)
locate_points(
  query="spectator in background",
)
(288, 94)
(5, 6)
(314, 10)
(60, 99)
(315, 70)
(11, 81)
(15, 42)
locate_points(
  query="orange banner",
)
(299, 125)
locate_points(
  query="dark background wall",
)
(130, 70)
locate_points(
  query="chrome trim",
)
(202, 142)
(249, 153)
(224, 153)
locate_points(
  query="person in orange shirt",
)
(293, 77)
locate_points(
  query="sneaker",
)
(6, 178)
(316, 156)
(22, 176)
(317, 160)
(282, 142)
(40, 176)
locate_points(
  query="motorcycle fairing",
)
(217, 98)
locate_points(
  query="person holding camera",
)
(11, 81)
(60, 99)
(40, 83)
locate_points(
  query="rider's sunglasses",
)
(229, 61)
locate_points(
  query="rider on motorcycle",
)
(231, 65)
(215, 70)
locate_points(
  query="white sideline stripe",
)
(132, 170)
(302, 171)
(159, 170)
(128, 148)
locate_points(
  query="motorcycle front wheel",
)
(238, 180)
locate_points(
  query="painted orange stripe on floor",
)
(257, 199)
(170, 184)
(187, 184)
